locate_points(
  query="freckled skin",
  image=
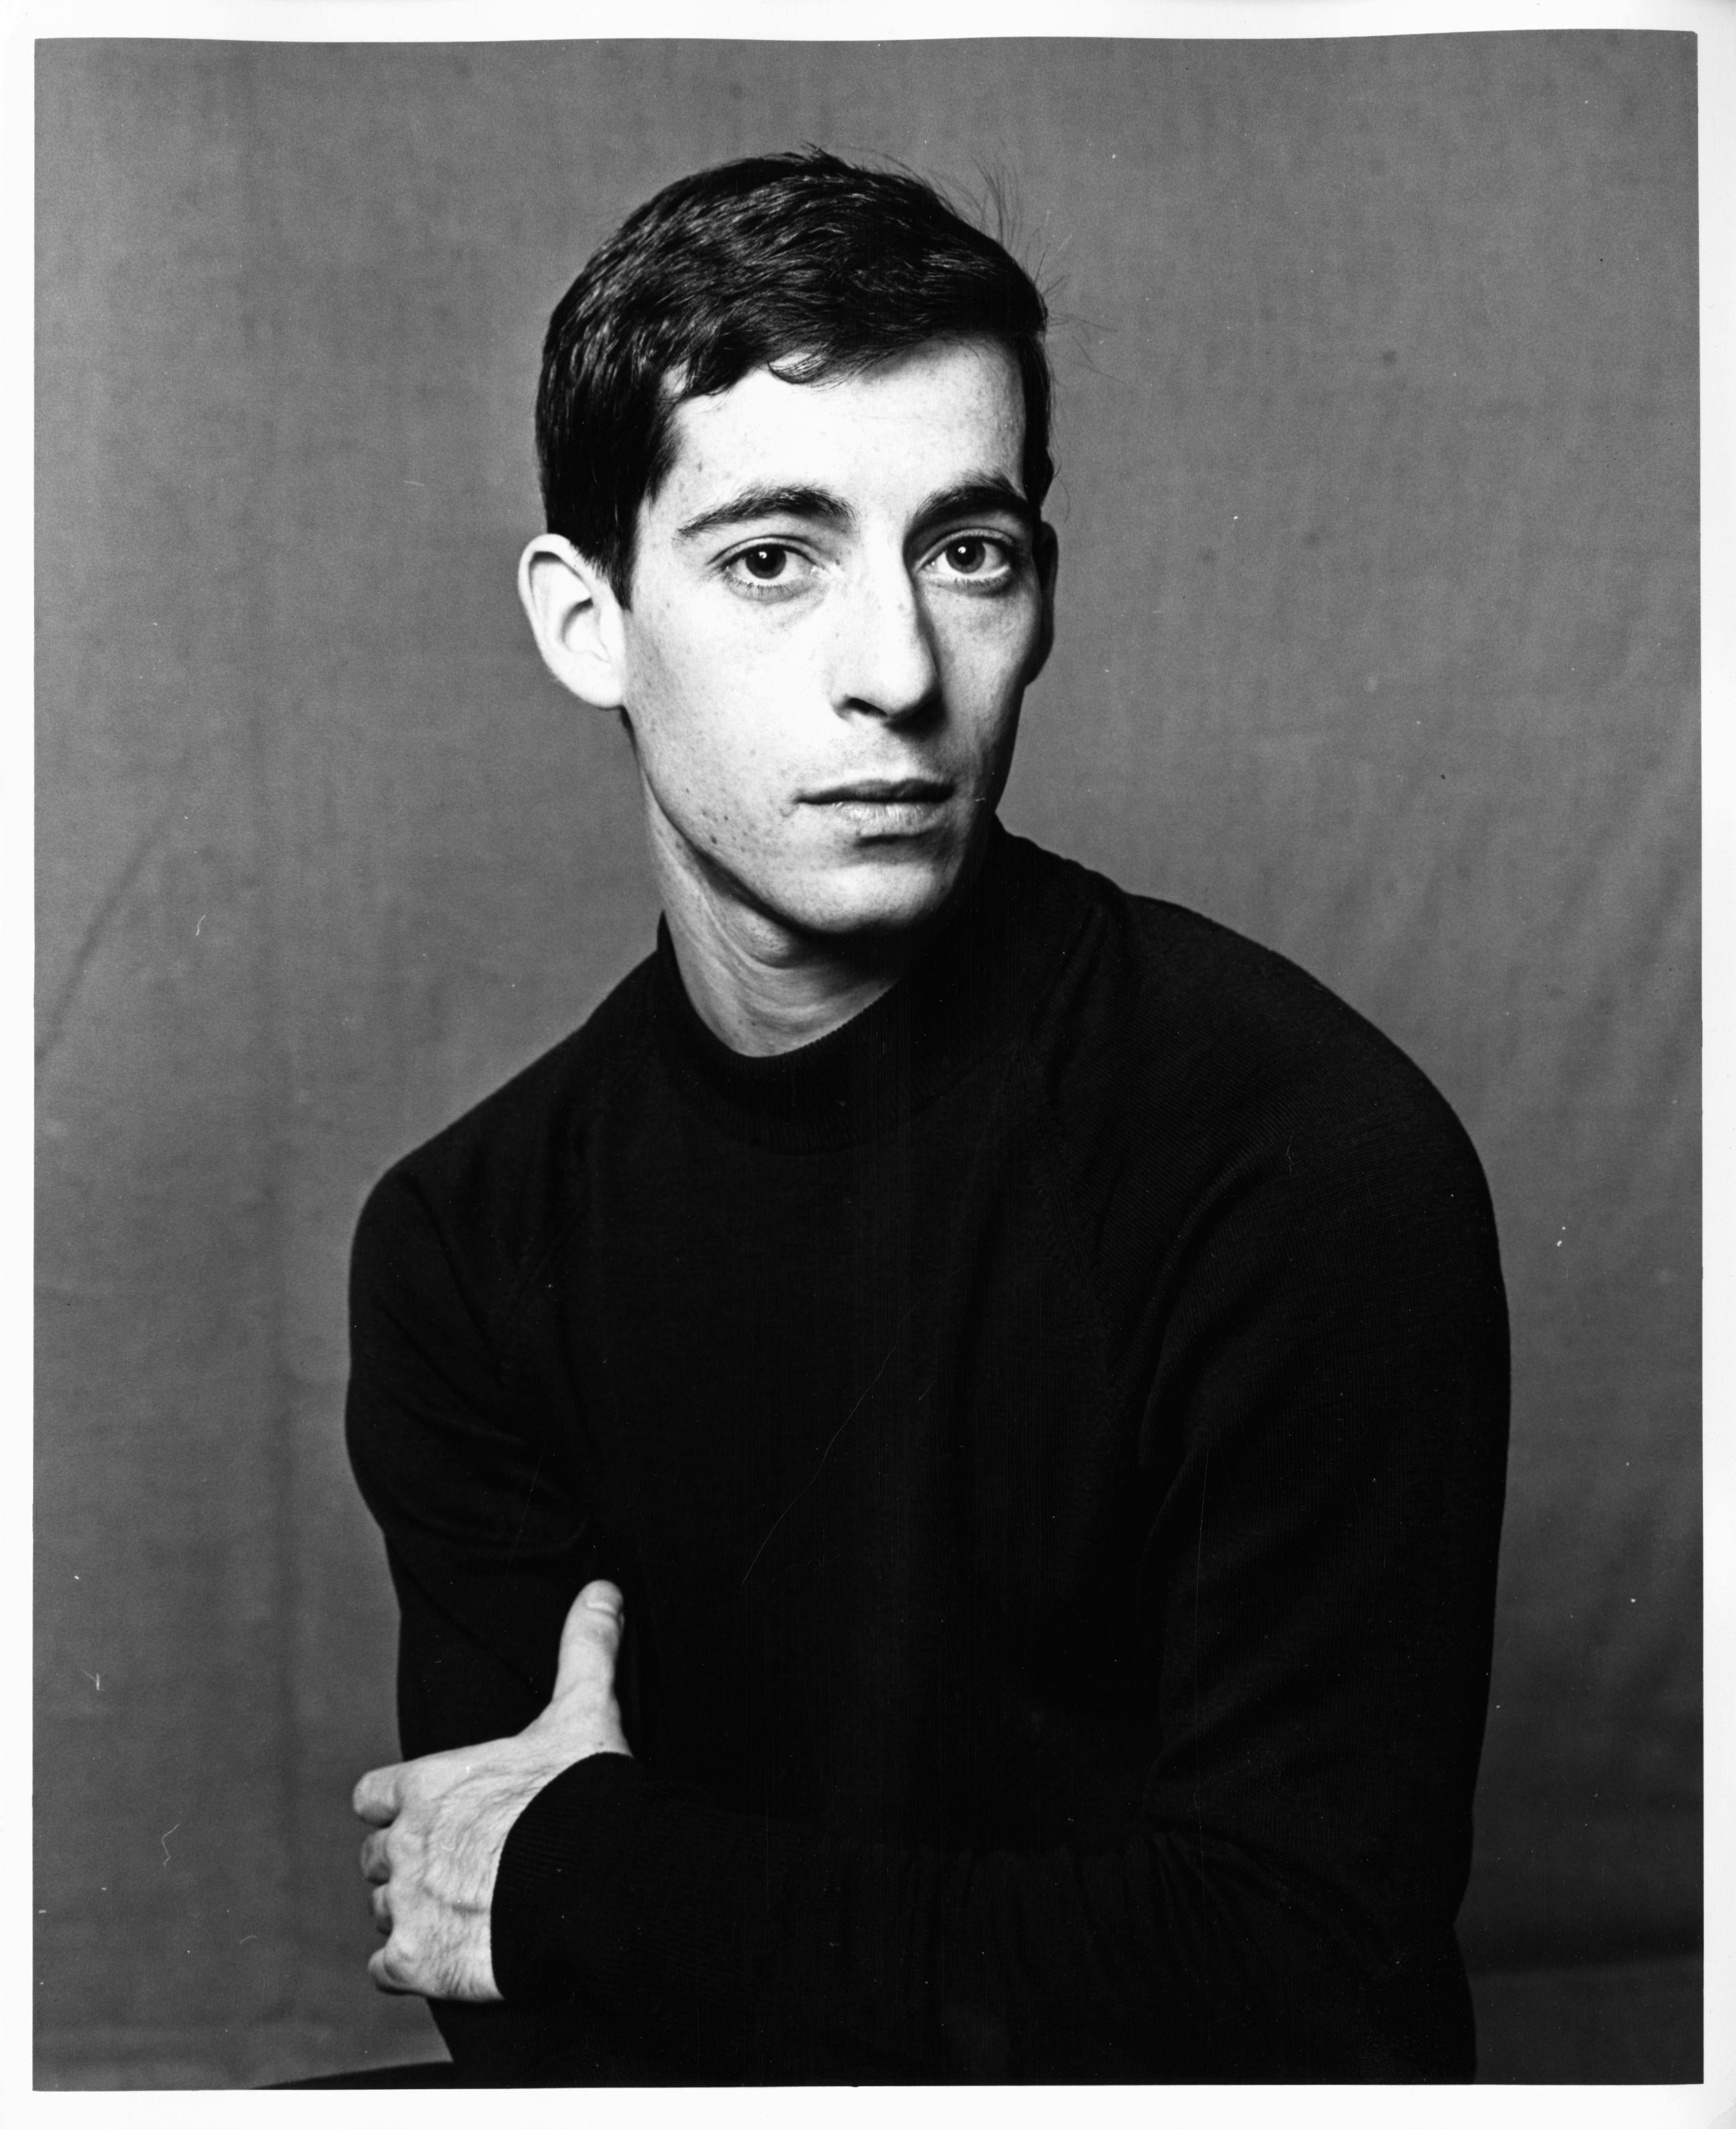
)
(873, 657)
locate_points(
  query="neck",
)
(763, 996)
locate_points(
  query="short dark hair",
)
(800, 261)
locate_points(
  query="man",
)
(941, 1457)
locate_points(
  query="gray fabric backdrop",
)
(1378, 640)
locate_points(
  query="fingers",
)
(589, 1642)
(376, 1797)
(384, 1971)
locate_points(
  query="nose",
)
(885, 660)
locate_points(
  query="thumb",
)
(589, 1642)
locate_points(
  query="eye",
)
(769, 568)
(984, 560)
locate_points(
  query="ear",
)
(575, 618)
(1048, 562)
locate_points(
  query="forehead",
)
(946, 411)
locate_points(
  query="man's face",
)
(837, 603)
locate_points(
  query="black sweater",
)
(1050, 1434)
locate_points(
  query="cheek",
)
(990, 651)
(708, 718)
(674, 691)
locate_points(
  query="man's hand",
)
(442, 1821)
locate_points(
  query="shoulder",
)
(1241, 1150)
(1238, 1016)
(1171, 1043)
(489, 1193)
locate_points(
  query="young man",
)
(941, 1457)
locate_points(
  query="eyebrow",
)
(978, 493)
(976, 496)
(748, 503)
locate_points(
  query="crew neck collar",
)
(970, 990)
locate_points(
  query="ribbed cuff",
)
(563, 1880)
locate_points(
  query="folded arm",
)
(1314, 1614)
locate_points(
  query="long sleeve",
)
(485, 1544)
(1323, 1462)
(486, 1547)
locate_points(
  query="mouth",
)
(878, 809)
(880, 791)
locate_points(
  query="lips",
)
(889, 811)
(876, 791)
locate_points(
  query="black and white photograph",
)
(868, 1183)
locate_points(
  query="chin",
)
(886, 892)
